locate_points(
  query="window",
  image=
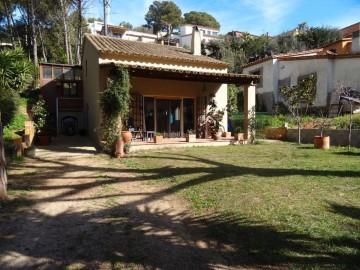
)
(214, 33)
(68, 74)
(209, 32)
(58, 73)
(47, 73)
(69, 89)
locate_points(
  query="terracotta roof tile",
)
(136, 48)
(314, 52)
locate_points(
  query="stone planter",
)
(190, 137)
(322, 142)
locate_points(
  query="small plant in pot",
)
(30, 151)
(238, 134)
(214, 119)
(158, 138)
(40, 116)
(320, 141)
(190, 136)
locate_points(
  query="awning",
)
(188, 75)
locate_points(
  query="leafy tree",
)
(201, 18)
(93, 19)
(286, 42)
(163, 15)
(257, 47)
(15, 71)
(298, 98)
(227, 49)
(127, 25)
(315, 37)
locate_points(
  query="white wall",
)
(294, 69)
(348, 71)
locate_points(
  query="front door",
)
(168, 115)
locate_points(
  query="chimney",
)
(355, 46)
(196, 41)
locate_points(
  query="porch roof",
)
(188, 75)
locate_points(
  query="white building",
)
(207, 34)
(333, 63)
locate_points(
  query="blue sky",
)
(253, 16)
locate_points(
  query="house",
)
(206, 34)
(124, 33)
(171, 86)
(338, 61)
(61, 88)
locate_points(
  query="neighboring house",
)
(124, 33)
(338, 61)
(171, 86)
(240, 34)
(61, 88)
(206, 34)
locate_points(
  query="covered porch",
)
(172, 101)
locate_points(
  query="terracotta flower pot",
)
(119, 148)
(239, 136)
(322, 142)
(158, 139)
(191, 138)
(127, 136)
(44, 139)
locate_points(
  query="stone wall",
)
(338, 137)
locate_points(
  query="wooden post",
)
(249, 110)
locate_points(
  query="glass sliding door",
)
(168, 117)
(189, 114)
(149, 114)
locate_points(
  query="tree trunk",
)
(299, 134)
(42, 45)
(3, 177)
(79, 45)
(33, 32)
(66, 32)
(8, 19)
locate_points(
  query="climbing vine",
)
(114, 102)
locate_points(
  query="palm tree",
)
(15, 71)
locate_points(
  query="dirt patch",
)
(89, 211)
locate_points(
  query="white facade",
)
(287, 71)
(206, 34)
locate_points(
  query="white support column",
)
(249, 110)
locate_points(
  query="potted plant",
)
(214, 119)
(30, 151)
(190, 136)
(40, 117)
(114, 101)
(238, 134)
(158, 138)
(320, 141)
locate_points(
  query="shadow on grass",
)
(350, 154)
(120, 234)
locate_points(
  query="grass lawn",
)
(282, 204)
